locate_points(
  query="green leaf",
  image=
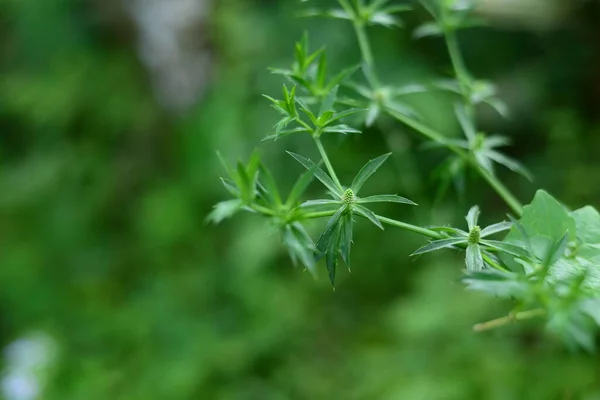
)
(271, 187)
(329, 100)
(544, 222)
(474, 259)
(428, 29)
(224, 210)
(319, 173)
(339, 78)
(439, 244)
(322, 70)
(345, 129)
(368, 214)
(472, 217)
(342, 114)
(365, 173)
(300, 246)
(496, 228)
(329, 231)
(374, 111)
(587, 221)
(385, 198)
(465, 123)
(508, 163)
(286, 132)
(321, 202)
(497, 283)
(300, 186)
(346, 238)
(509, 248)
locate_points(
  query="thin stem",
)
(320, 214)
(363, 43)
(518, 316)
(262, 210)
(432, 134)
(327, 163)
(457, 61)
(409, 227)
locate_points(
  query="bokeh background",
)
(112, 286)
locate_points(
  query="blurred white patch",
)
(172, 44)
(532, 14)
(27, 361)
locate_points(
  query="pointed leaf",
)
(345, 113)
(339, 78)
(495, 228)
(345, 129)
(368, 214)
(321, 202)
(322, 70)
(465, 123)
(224, 210)
(329, 100)
(439, 244)
(346, 238)
(512, 249)
(474, 259)
(374, 111)
(300, 186)
(385, 198)
(332, 224)
(271, 187)
(509, 163)
(285, 132)
(427, 29)
(366, 172)
(472, 217)
(319, 173)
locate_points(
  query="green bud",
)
(475, 235)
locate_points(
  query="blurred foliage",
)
(103, 198)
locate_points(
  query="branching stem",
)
(518, 316)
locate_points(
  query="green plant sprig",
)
(548, 263)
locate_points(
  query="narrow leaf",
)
(374, 111)
(385, 198)
(224, 210)
(271, 187)
(345, 129)
(329, 100)
(509, 248)
(464, 121)
(509, 163)
(368, 214)
(474, 259)
(472, 217)
(427, 29)
(346, 238)
(495, 228)
(366, 172)
(439, 244)
(300, 186)
(339, 78)
(321, 202)
(319, 173)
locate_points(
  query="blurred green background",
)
(112, 286)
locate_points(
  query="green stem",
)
(327, 163)
(518, 316)
(262, 210)
(457, 62)
(363, 43)
(431, 134)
